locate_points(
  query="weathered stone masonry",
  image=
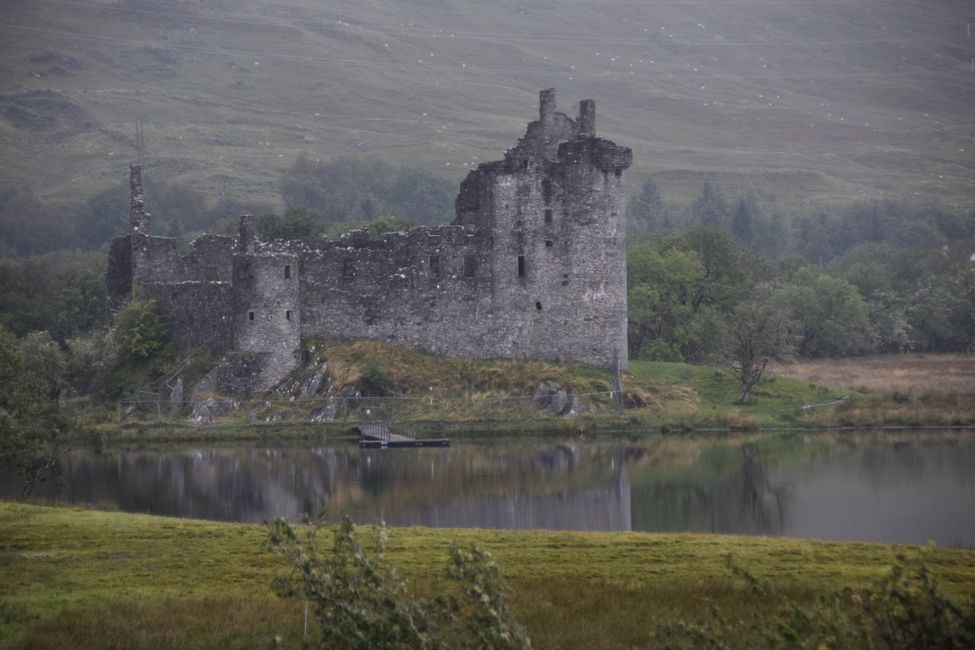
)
(532, 267)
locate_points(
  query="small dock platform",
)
(378, 435)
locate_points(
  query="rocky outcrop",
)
(551, 399)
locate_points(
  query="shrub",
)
(904, 609)
(361, 602)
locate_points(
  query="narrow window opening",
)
(250, 315)
(538, 306)
(435, 266)
(287, 271)
(618, 172)
(348, 269)
(547, 191)
(548, 243)
(470, 266)
(287, 314)
(548, 215)
(524, 163)
(521, 266)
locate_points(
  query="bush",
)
(904, 609)
(361, 602)
(374, 382)
(140, 330)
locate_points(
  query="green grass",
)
(480, 397)
(85, 578)
(867, 100)
(483, 396)
(697, 397)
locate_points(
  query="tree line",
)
(318, 197)
(709, 282)
(817, 235)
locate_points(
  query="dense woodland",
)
(705, 278)
(876, 276)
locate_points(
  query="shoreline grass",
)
(462, 397)
(85, 578)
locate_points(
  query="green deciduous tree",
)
(295, 223)
(659, 310)
(832, 319)
(942, 313)
(757, 333)
(681, 288)
(140, 330)
(138, 351)
(60, 292)
(34, 433)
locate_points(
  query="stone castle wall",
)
(532, 267)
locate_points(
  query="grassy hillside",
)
(85, 579)
(826, 101)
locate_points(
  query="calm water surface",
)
(909, 487)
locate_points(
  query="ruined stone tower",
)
(266, 308)
(533, 266)
(555, 209)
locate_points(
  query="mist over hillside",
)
(819, 101)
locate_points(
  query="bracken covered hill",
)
(819, 101)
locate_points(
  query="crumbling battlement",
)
(532, 267)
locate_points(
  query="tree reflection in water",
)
(746, 485)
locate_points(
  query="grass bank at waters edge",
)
(475, 397)
(83, 578)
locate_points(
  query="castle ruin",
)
(533, 266)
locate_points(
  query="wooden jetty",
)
(378, 435)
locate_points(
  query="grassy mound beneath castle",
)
(357, 380)
(85, 578)
(407, 384)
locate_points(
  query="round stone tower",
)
(267, 317)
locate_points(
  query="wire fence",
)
(150, 407)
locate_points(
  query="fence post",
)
(618, 381)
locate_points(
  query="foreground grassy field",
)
(83, 578)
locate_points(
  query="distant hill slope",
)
(819, 100)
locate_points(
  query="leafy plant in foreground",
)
(904, 609)
(361, 602)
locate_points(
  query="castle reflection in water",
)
(813, 489)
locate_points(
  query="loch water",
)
(872, 486)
